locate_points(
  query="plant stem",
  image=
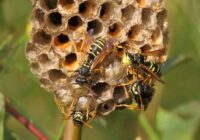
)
(71, 131)
(24, 121)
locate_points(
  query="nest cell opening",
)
(161, 16)
(70, 59)
(32, 51)
(141, 2)
(35, 67)
(42, 38)
(115, 29)
(43, 58)
(127, 13)
(74, 22)
(45, 82)
(39, 15)
(146, 48)
(87, 8)
(61, 39)
(107, 10)
(146, 15)
(55, 75)
(48, 4)
(55, 19)
(157, 35)
(134, 31)
(118, 1)
(67, 4)
(165, 38)
(107, 106)
(96, 26)
(120, 96)
(99, 88)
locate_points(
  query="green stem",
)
(71, 131)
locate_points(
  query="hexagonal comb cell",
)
(54, 20)
(96, 25)
(67, 4)
(106, 107)
(70, 62)
(106, 12)
(39, 15)
(62, 41)
(74, 23)
(55, 75)
(48, 4)
(87, 8)
(115, 29)
(121, 96)
(134, 32)
(99, 88)
(32, 51)
(146, 15)
(42, 38)
(127, 13)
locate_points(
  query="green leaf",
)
(147, 127)
(2, 114)
(60, 131)
(172, 126)
(174, 62)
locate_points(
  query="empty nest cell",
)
(161, 17)
(127, 13)
(134, 31)
(120, 96)
(39, 15)
(74, 23)
(43, 58)
(41, 37)
(146, 15)
(70, 62)
(87, 8)
(54, 19)
(96, 26)
(55, 75)
(67, 4)
(99, 88)
(61, 39)
(48, 4)
(35, 67)
(106, 107)
(107, 10)
(32, 51)
(115, 29)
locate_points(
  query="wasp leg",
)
(130, 107)
(61, 108)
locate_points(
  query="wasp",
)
(142, 94)
(99, 49)
(138, 61)
(84, 109)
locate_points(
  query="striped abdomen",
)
(154, 67)
(95, 49)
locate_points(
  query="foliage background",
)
(174, 113)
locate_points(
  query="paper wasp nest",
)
(58, 28)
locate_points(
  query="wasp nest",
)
(59, 28)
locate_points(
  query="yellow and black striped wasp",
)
(142, 94)
(137, 62)
(99, 49)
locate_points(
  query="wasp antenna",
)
(86, 124)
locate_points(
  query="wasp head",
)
(78, 118)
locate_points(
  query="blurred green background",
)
(173, 114)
